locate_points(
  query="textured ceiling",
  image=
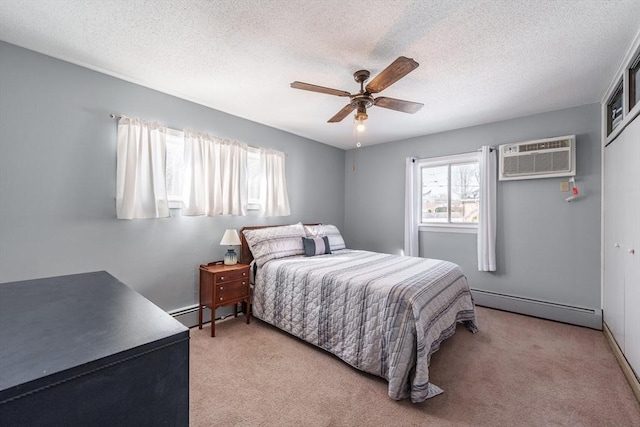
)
(480, 61)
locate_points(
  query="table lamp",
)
(230, 238)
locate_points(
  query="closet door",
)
(614, 305)
(631, 243)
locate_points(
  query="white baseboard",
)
(589, 317)
(627, 370)
(188, 316)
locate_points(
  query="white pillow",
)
(275, 242)
(336, 242)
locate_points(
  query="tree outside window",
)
(450, 193)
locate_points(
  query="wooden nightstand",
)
(222, 285)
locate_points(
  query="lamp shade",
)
(230, 237)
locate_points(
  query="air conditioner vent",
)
(544, 158)
(537, 146)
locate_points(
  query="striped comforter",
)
(383, 314)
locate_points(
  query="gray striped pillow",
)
(275, 242)
(331, 231)
(316, 246)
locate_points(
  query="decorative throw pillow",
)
(331, 231)
(316, 246)
(275, 242)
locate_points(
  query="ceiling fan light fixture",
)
(360, 117)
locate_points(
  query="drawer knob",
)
(244, 283)
(221, 287)
(220, 298)
(632, 251)
(221, 277)
(244, 273)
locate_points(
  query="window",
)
(614, 109)
(253, 178)
(634, 82)
(450, 188)
(175, 167)
(175, 171)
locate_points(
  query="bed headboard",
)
(245, 253)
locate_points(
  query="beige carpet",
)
(517, 371)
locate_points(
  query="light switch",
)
(564, 186)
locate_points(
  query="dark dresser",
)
(86, 349)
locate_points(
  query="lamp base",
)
(230, 258)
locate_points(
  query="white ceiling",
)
(480, 60)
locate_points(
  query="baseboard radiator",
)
(589, 317)
(188, 316)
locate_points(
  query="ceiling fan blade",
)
(394, 72)
(320, 89)
(398, 104)
(341, 114)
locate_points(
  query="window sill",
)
(450, 228)
(177, 204)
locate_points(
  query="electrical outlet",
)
(564, 186)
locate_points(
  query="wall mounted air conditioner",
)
(543, 158)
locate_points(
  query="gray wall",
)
(57, 191)
(547, 249)
(57, 180)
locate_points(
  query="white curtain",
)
(487, 210)
(411, 201)
(215, 176)
(140, 171)
(274, 200)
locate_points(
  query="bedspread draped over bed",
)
(383, 314)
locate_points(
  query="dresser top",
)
(51, 325)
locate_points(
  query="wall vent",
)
(543, 158)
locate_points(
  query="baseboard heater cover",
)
(581, 316)
(188, 316)
(591, 318)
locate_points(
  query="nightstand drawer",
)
(230, 291)
(231, 276)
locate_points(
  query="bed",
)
(382, 314)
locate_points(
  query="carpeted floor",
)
(517, 371)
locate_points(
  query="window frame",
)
(449, 160)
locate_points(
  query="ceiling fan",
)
(364, 99)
